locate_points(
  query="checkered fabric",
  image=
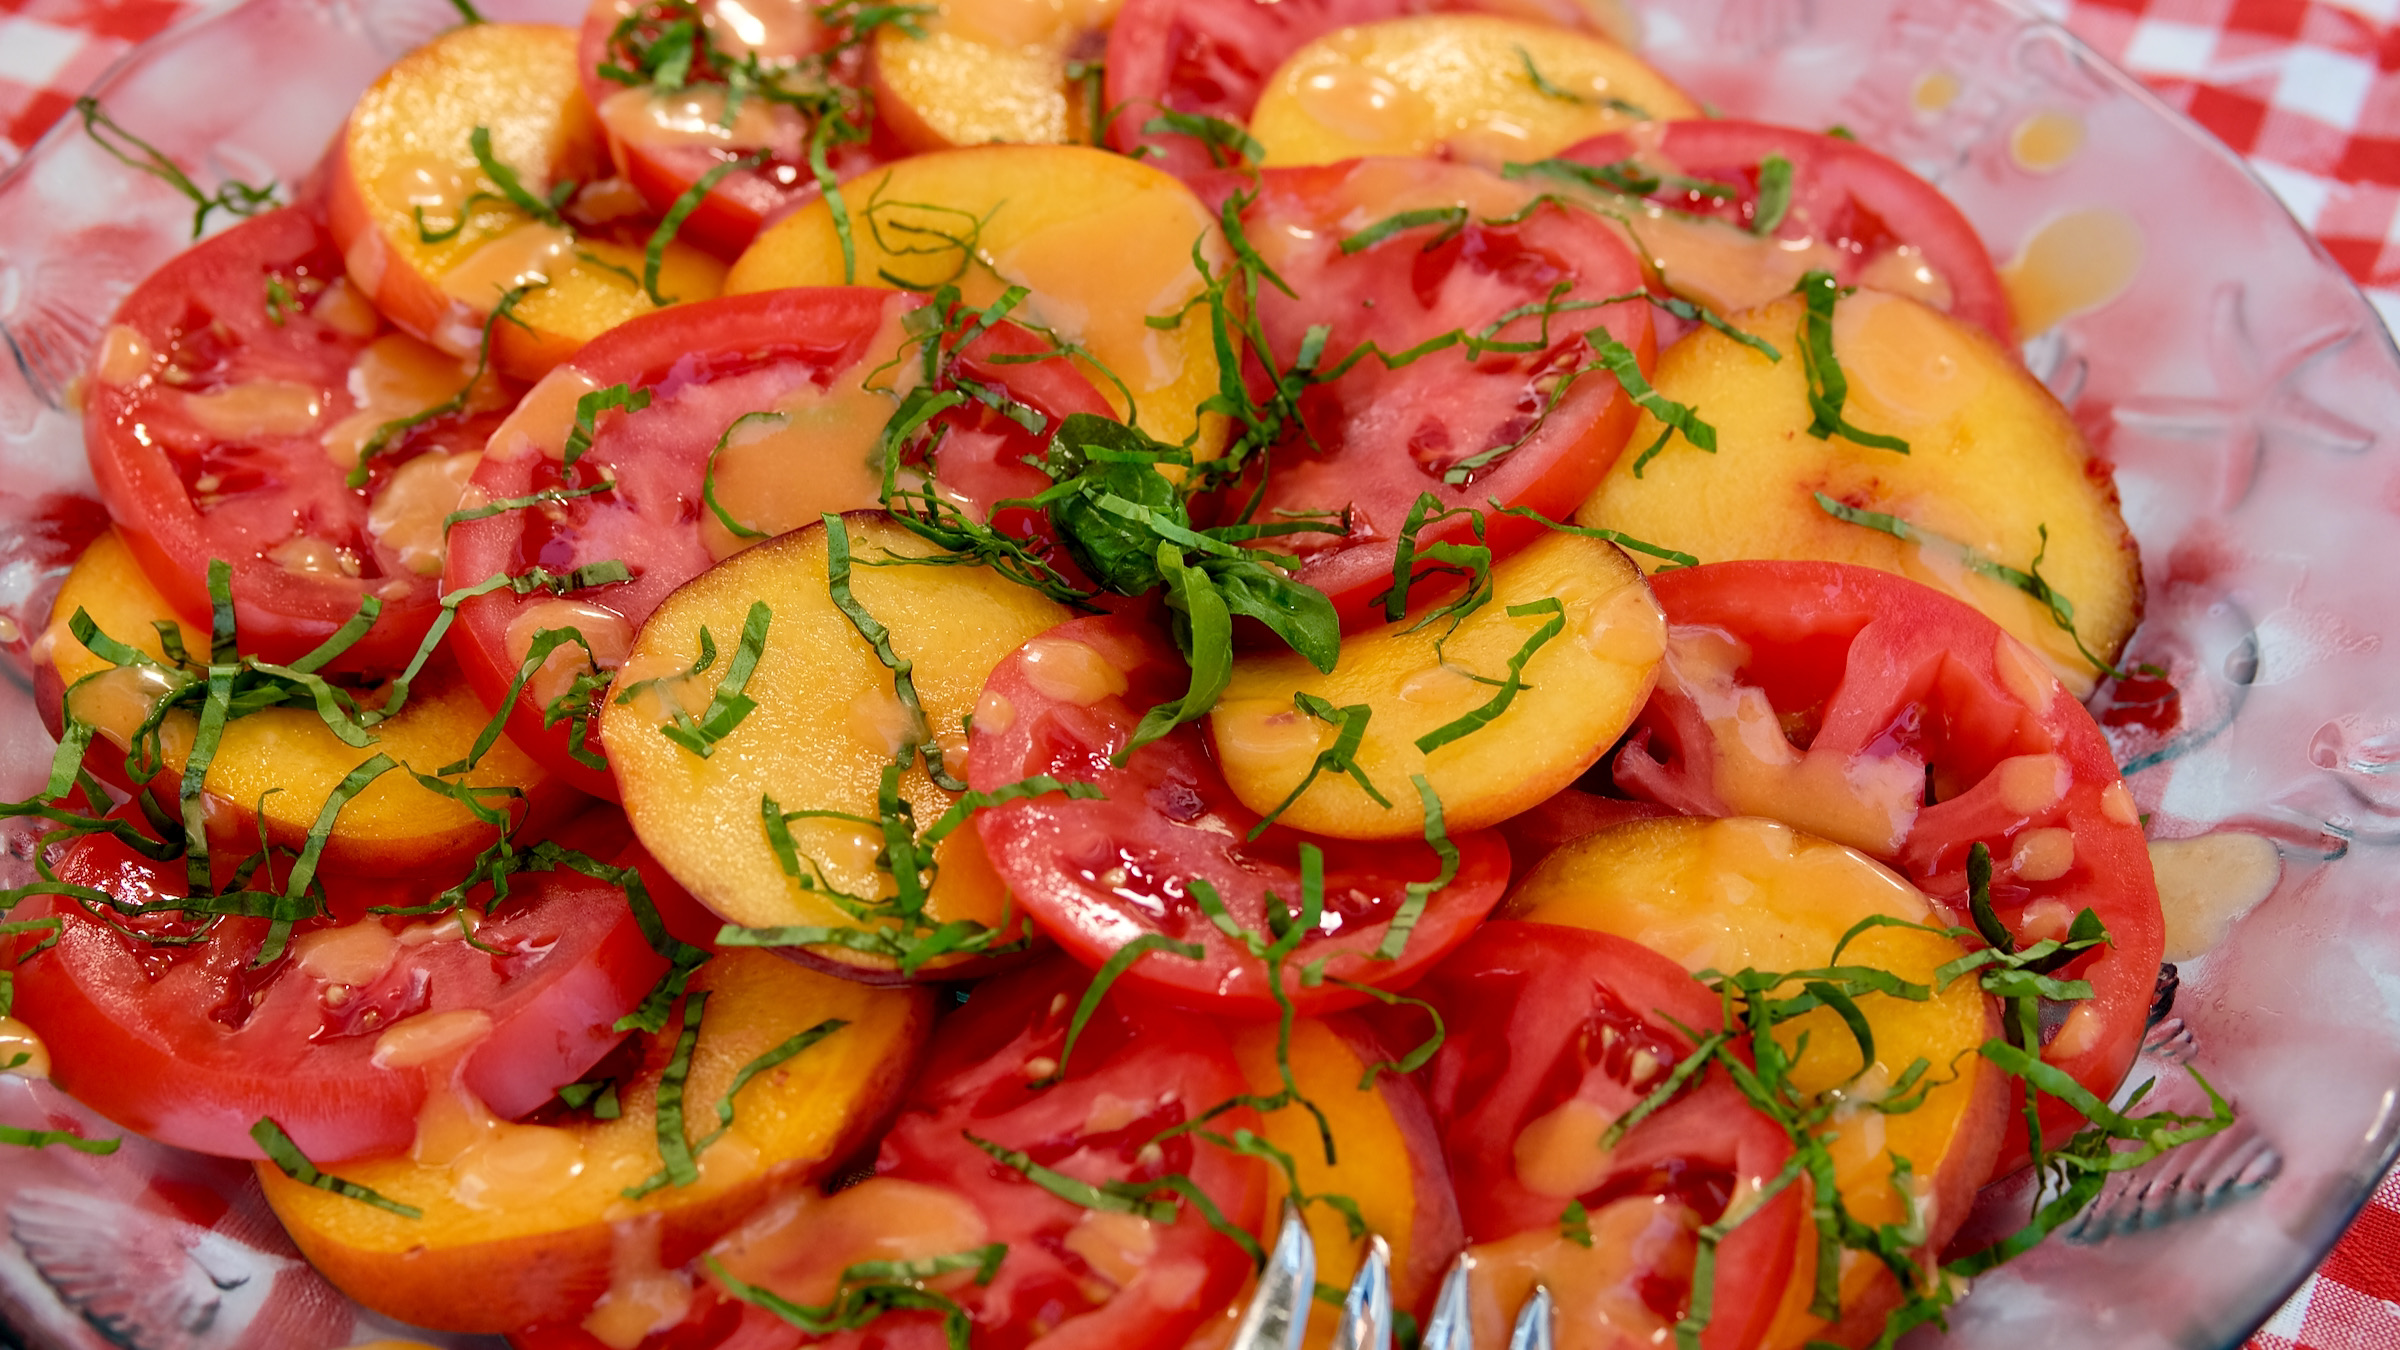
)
(2309, 90)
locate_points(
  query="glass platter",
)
(2237, 381)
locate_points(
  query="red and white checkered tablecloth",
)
(2308, 89)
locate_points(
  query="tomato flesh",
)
(705, 365)
(1095, 874)
(1376, 439)
(189, 481)
(1538, 1015)
(1863, 204)
(1869, 669)
(192, 1044)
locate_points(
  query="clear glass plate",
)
(2238, 382)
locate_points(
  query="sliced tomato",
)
(1377, 439)
(1876, 219)
(664, 145)
(704, 366)
(1097, 874)
(1551, 1028)
(1140, 1073)
(182, 1034)
(1912, 728)
(203, 418)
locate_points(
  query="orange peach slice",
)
(988, 71)
(1992, 462)
(284, 762)
(1472, 87)
(1580, 690)
(405, 173)
(1101, 243)
(1747, 893)
(826, 723)
(1387, 1159)
(533, 1223)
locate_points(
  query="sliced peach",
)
(1580, 690)
(1992, 461)
(1102, 243)
(993, 70)
(1747, 893)
(527, 1223)
(282, 763)
(1387, 1159)
(407, 154)
(1472, 87)
(826, 724)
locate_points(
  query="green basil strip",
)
(1674, 558)
(904, 684)
(1114, 1198)
(678, 1166)
(1480, 717)
(623, 397)
(10, 1134)
(479, 141)
(654, 254)
(708, 473)
(1105, 978)
(287, 1157)
(1828, 387)
(1340, 757)
(764, 1062)
(1774, 195)
(1421, 893)
(502, 310)
(729, 705)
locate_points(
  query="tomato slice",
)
(1912, 728)
(704, 366)
(1376, 439)
(204, 415)
(1879, 224)
(664, 146)
(191, 1042)
(1069, 1275)
(1554, 1029)
(1097, 874)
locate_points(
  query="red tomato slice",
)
(1879, 679)
(192, 1044)
(1377, 439)
(663, 159)
(1865, 205)
(1539, 1016)
(704, 365)
(1098, 874)
(204, 440)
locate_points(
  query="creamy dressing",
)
(604, 631)
(1070, 671)
(21, 1050)
(2206, 884)
(256, 410)
(1096, 277)
(2075, 263)
(409, 516)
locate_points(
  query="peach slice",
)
(1102, 244)
(1749, 893)
(1993, 460)
(284, 762)
(990, 71)
(407, 153)
(532, 1223)
(825, 725)
(1388, 1160)
(1580, 690)
(1472, 87)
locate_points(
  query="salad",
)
(772, 673)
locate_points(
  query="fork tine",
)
(1453, 1325)
(1367, 1310)
(1277, 1318)
(1532, 1331)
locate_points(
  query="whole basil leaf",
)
(1204, 630)
(1300, 615)
(1099, 458)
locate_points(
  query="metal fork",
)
(1277, 1318)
